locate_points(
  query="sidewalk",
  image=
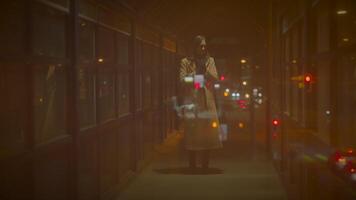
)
(233, 174)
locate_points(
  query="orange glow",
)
(214, 125)
(226, 94)
(307, 78)
(241, 125)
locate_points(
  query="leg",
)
(205, 160)
(192, 159)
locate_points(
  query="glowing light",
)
(196, 85)
(345, 39)
(241, 125)
(100, 60)
(275, 122)
(294, 61)
(243, 61)
(260, 94)
(41, 100)
(307, 78)
(341, 12)
(216, 86)
(188, 79)
(233, 94)
(237, 94)
(328, 112)
(226, 94)
(244, 83)
(247, 96)
(222, 78)
(214, 124)
(227, 90)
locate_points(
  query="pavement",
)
(235, 172)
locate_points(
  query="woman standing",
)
(200, 121)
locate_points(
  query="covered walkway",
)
(234, 174)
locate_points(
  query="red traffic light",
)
(275, 122)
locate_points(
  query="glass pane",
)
(138, 90)
(12, 28)
(147, 90)
(123, 94)
(106, 99)
(155, 88)
(346, 100)
(346, 17)
(86, 42)
(49, 32)
(49, 102)
(123, 49)
(323, 28)
(86, 98)
(87, 8)
(12, 109)
(105, 45)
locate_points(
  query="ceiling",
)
(214, 18)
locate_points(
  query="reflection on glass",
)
(106, 99)
(86, 41)
(105, 45)
(147, 90)
(49, 30)
(138, 90)
(49, 102)
(86, 98)
(122, 49)
(123, 94)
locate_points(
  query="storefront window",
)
(147, 90)
(86, 41)
(106, 98)
(347, 100)
(122, 49)
(105, 46)
(49, 32)
(346, 26)
(123, 94)
(86, 98)
(49, 102)
(138, 90)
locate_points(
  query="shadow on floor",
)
(189, 171)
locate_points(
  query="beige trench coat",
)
(202, 131)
